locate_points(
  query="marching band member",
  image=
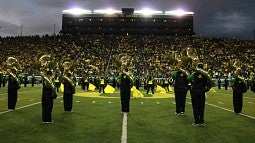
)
(181, 85)
(126, 84)
(47, 98)
(239, 88)
(13, 86)
(69, 90)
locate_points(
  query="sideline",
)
(124, 129)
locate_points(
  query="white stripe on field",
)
(124, 129)
(250, 103)
(230, 110)
(7, 111)
(173, 103)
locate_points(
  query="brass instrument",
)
(192, 54)
(67, 70)
(181, 63)
(238, 72)
(12, 64)
(45, 61)
(122, 62)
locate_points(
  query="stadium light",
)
(148, 12)
(107, 11)
(77, 11)
(178, 12)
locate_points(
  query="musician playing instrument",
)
(200, 84)
(181, 85)
(13, 86)
(13, 82)
(239, 88)
(69, 87)
(49, 89)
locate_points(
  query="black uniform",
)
(239, 88)
(47, 103)
(125, 91)
(57, 82)
(25, 80)
(86, 83)
(1, 79)
(33, 80)
(226, 83)
(69, 90)
(198, 89)
(102, 84)
(180, 91)
(137, 83)
(4, 80)
(219, 83)
(13, 86)
(150, 85)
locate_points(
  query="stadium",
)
(100, 44)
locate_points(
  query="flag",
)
(92, 87)
(109, 89)
(212, 90)
(61, 88)
(160, 89)
(136, 93)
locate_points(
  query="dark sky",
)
(214, 18)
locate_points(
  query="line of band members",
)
(101, 82)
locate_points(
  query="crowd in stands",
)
(149, 54)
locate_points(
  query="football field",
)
(97, 118)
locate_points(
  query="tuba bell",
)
(12, 66)
(181, 63)
(46, 67)
(197, 66)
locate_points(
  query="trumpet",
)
(45, 61)
(196, 65)
(12, 64)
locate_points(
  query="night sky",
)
(213, 18)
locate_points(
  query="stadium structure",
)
(127, 20)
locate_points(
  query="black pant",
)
(47, 106)
(237, 102)
(68, 102)
(86, 85)
(101, 87)
(125, 100)
(150, 86)
(180, 99)
(198, 104)
(57, 85)
(12, 98)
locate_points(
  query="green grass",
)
(98, 120)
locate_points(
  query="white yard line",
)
(7, 111)
(228, 110)
(124, 129)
